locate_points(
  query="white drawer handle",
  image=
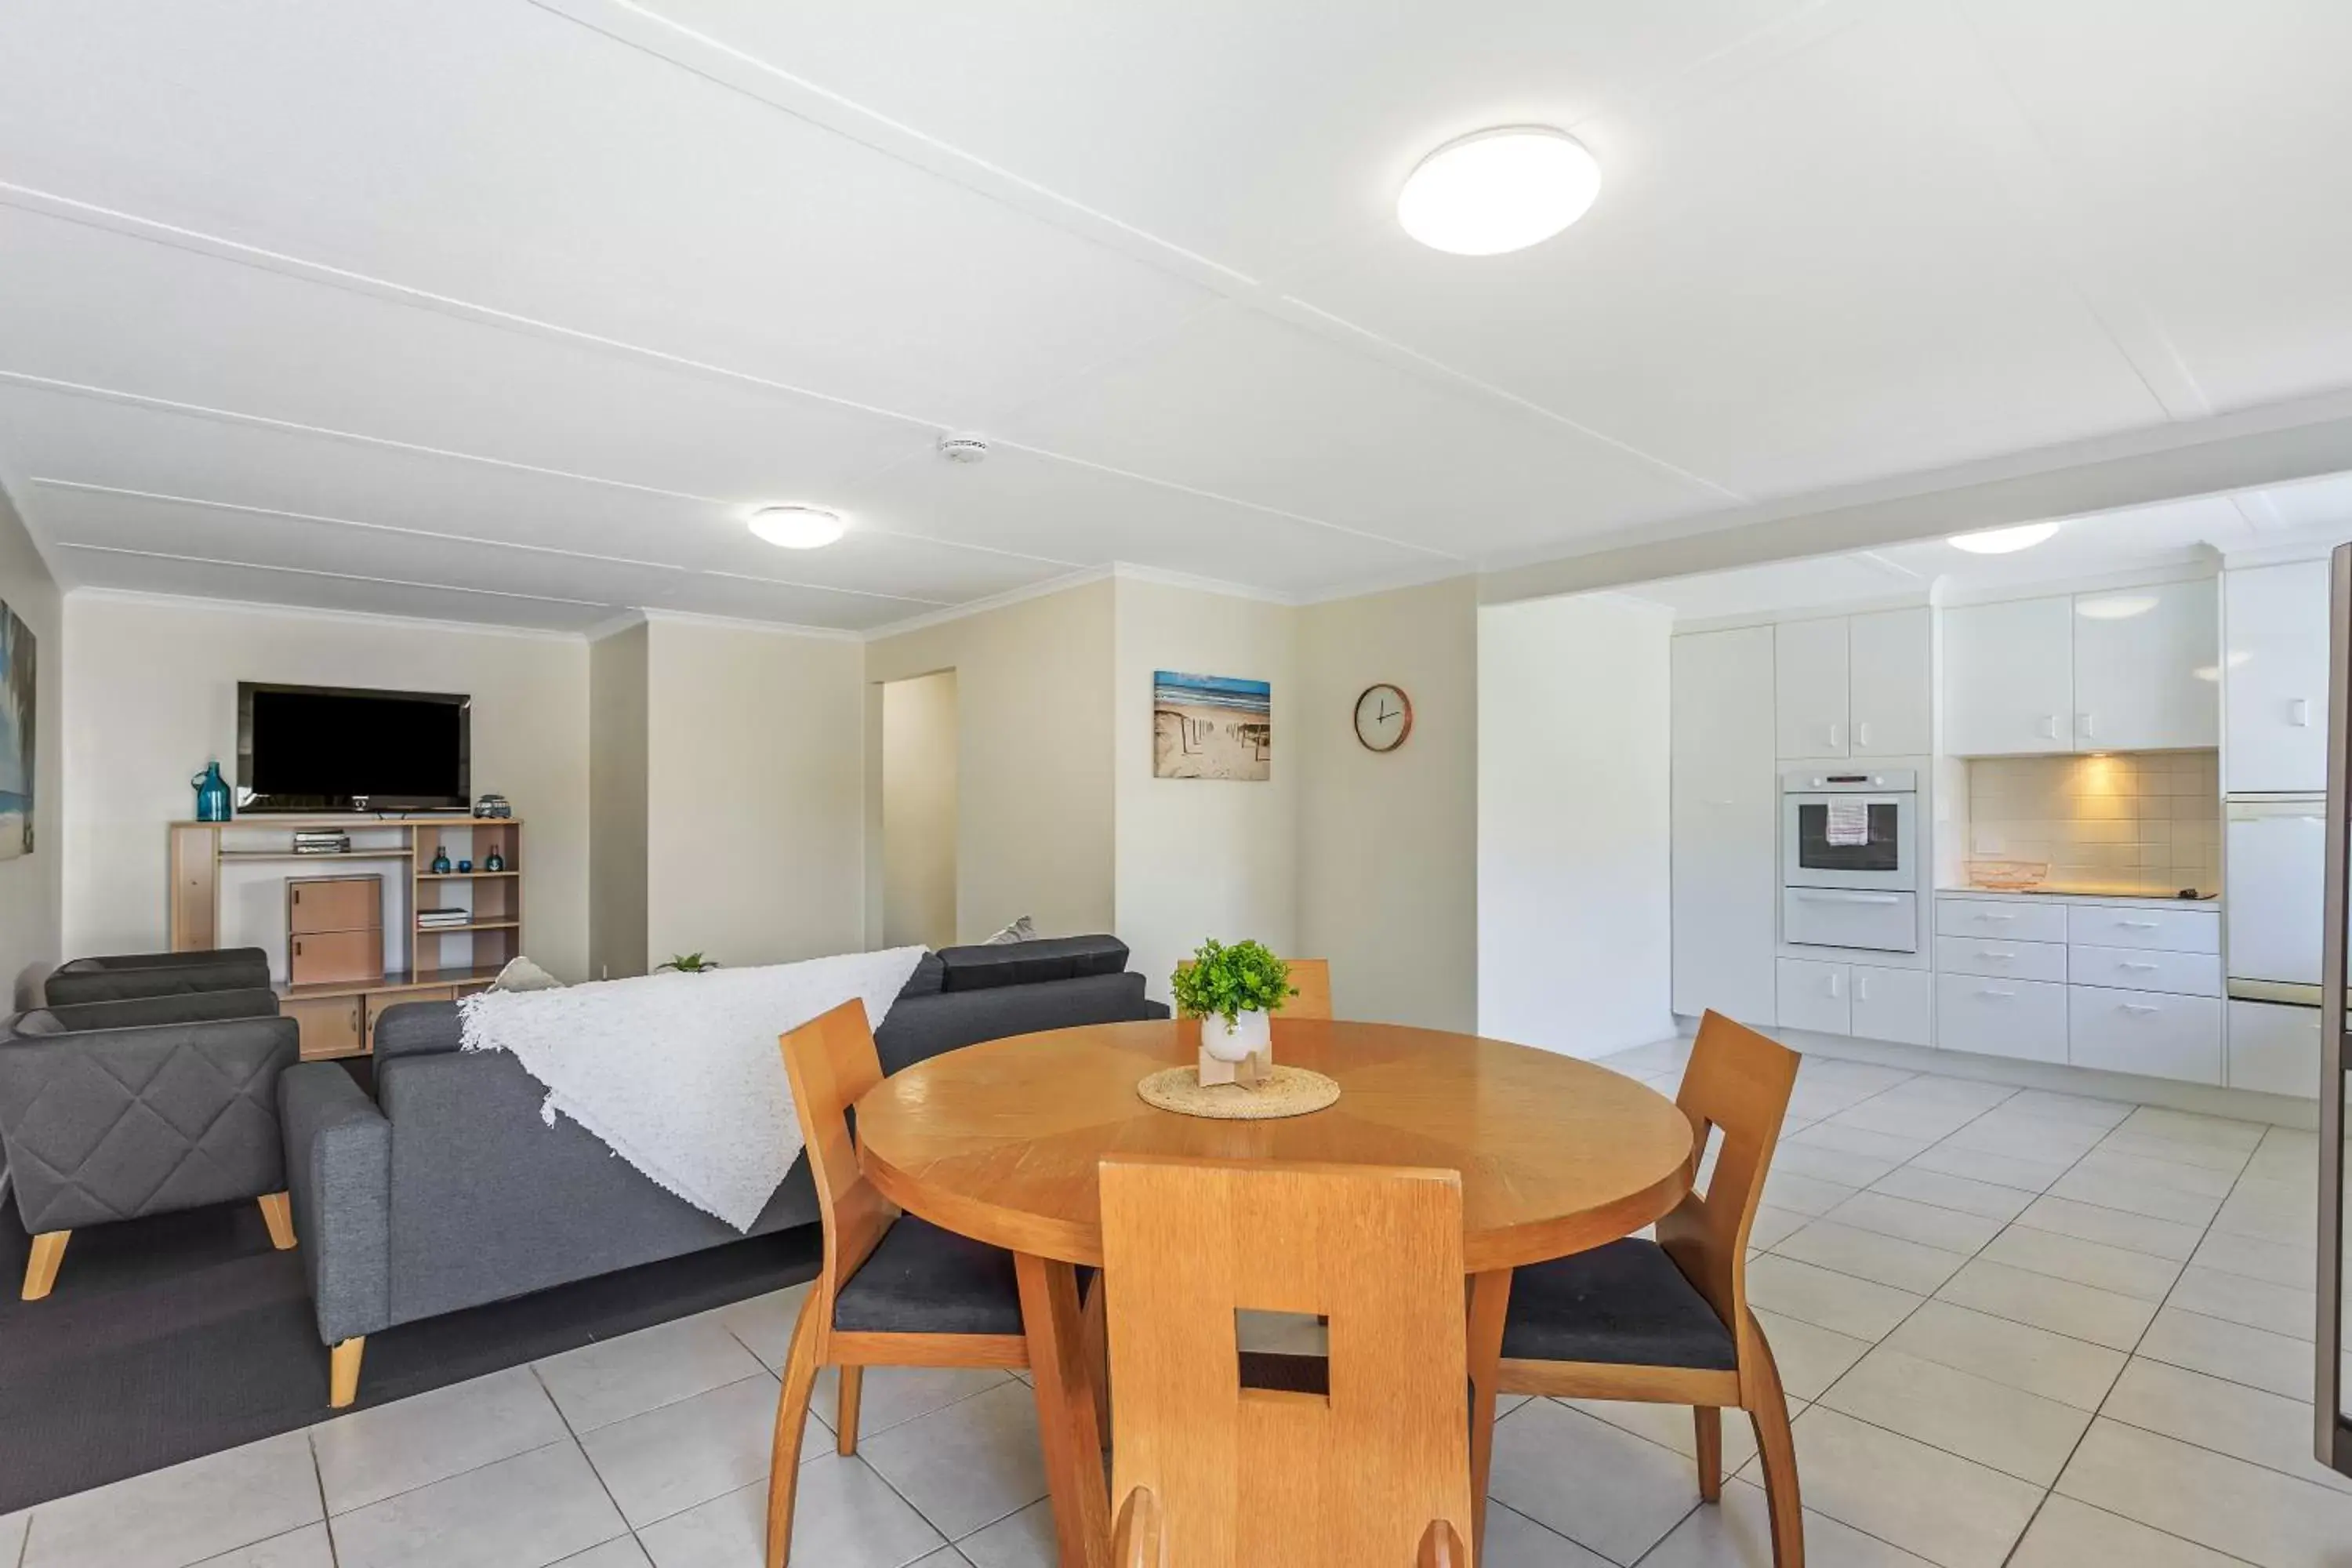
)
(1849, 898)
(2001, 995)
(2122, 965)
(2137, 925)
(1997, 956)
(1992, 917)
(2298, 712)
(2140, 1010)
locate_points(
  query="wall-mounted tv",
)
(328, 748)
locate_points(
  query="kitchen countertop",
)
(2068, 893)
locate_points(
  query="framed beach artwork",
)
(1211, 727)
(18, 675)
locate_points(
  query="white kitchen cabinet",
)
(1810, 668)
(2022, 1018)
(1816, 996)
(2139, 655)
(2274, 1048)
(2008, 678)
(1724, 811)
(2144, 1032)
(2275, 632)
(1893, 1004)
(1890, 683)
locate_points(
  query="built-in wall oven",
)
(1850, 859)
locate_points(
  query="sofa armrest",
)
(338, 1168)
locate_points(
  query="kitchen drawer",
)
(2274, 1048)
(1848, 917)
(1893, 1004)
(2147, 969)
(2144, 1032)
(2001, 959)
(2174, 930)
(333, 903)
(1815, 997)
(2001, 1017)
(2012, 919)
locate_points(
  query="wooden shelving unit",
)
(423, 964)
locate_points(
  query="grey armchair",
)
(110, 1110)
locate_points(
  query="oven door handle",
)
(1818, 896)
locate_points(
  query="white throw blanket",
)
(680, 1074)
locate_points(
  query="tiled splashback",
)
(2140, 821)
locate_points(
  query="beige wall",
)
(1034, 763)
(1202, 857)
(151, 683)
(32, 887)
(755, 754)
(918, 811)
(616, 804)
(1388, 842)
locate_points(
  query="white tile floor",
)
(2017, 1328)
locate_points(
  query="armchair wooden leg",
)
(845, 1410)
(1709, 1422)
(343, 1372)
(278, 1214)
(41, 1268)
(1768, 1410)
(792, 1420)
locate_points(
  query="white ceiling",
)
(509, 312)
(2283, 520)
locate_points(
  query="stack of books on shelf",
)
(441, 920)
(322, 841)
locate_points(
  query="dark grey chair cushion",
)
(925, 1281)
(418, 1028)
(1625, 1304)
(132, 975)
(109, 1124)
(993, 964)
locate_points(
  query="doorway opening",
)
(918, 811)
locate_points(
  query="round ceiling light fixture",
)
(798, 527)
(2005, 540)
(1498, 191)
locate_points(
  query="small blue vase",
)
(212, 795)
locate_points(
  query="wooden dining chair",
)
(1667, 1321)
(896, 1290)
(1375, 1473)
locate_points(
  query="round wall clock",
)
(1384, 717)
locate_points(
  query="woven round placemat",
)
(1294, 1091)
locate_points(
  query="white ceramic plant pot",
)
(1249, 1033)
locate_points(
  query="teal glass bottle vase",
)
(212, 795)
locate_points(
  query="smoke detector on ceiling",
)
(963, 449)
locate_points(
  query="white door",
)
(1890, 685)
(2139, 655)
(1725, 804)
(1810, 686)
(2275, 888)
(1893, 1004)
(2008, 678)
(2276, 621)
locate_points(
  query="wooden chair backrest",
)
(830, 1061)
(1738, 1082)
(1235, 1476)
(1311, 978)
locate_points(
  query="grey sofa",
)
(446, 1190)
(113, 1110)
(126, 975)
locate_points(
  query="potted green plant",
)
(688, 963)
(1235, 992)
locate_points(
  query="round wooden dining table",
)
(1002, 1141)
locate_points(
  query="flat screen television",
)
(328, 748)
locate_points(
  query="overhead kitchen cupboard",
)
(2275, 632)
(1724, 806)
(2116, 670)
(1855, 686)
